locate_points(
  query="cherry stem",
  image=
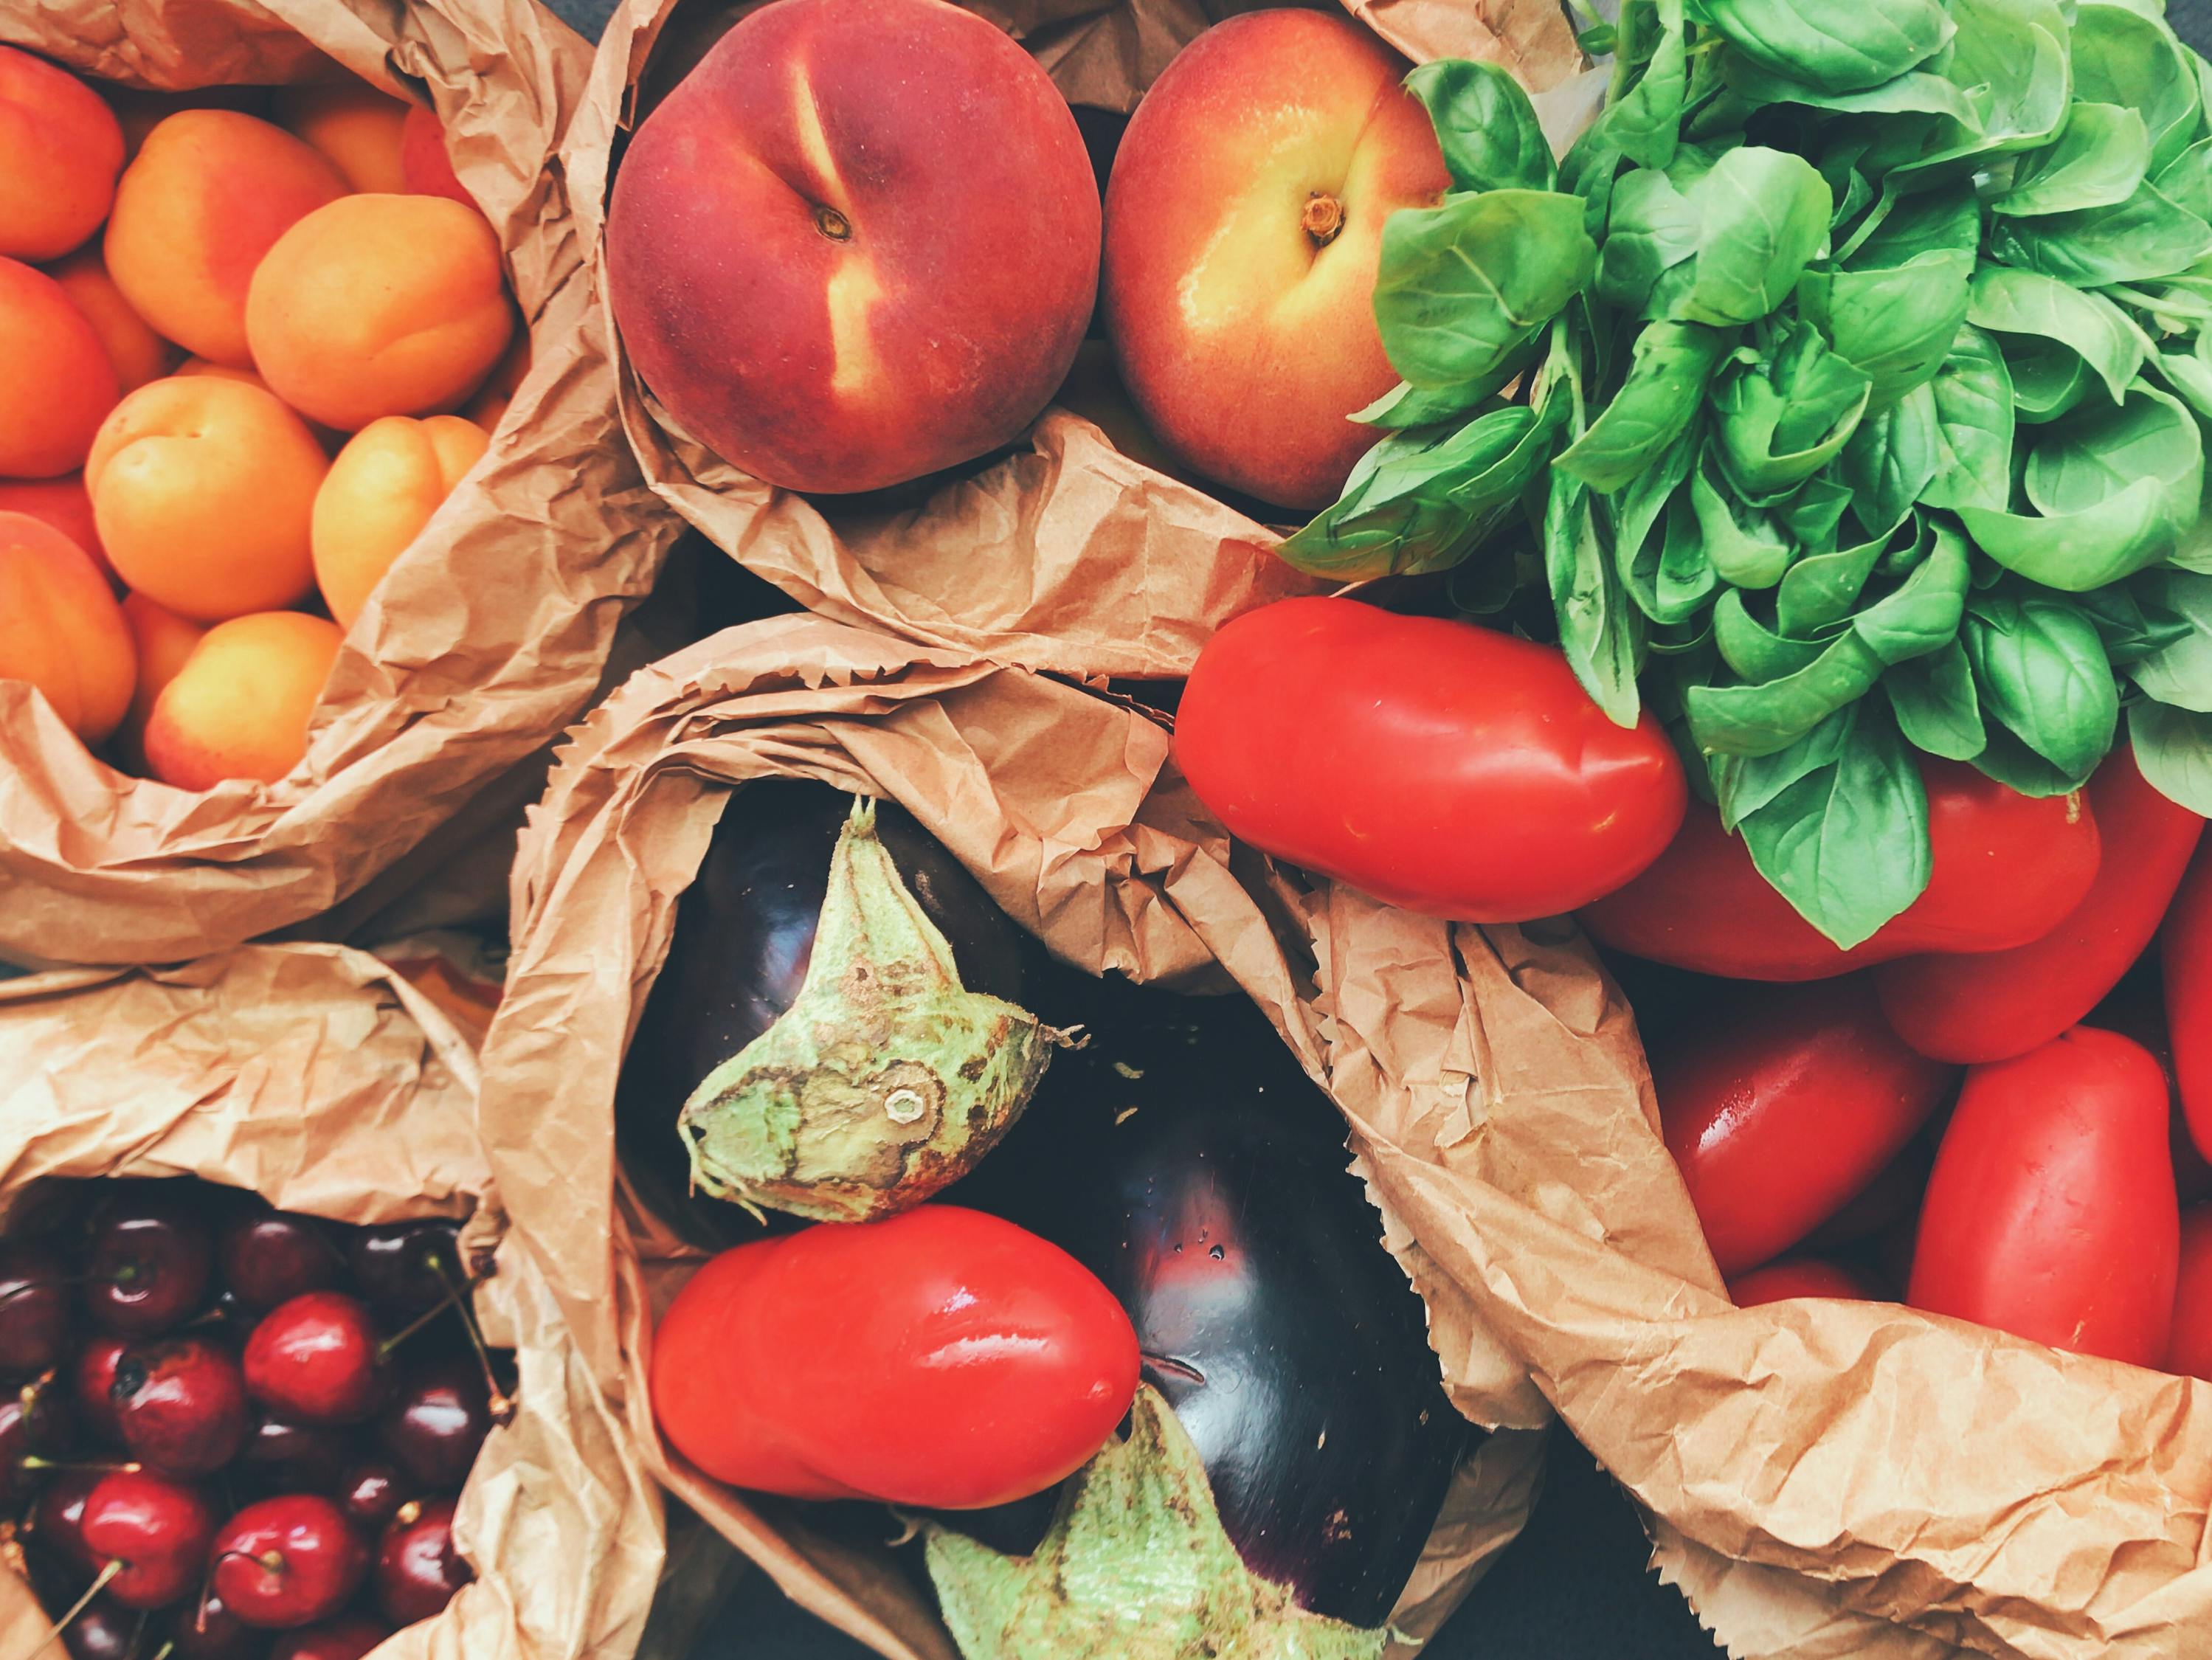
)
(384, 1349)
(501, 1406)
(77, 1608)
(31, 1461)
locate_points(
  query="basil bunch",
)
(1852, 369)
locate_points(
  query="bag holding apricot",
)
(211, 1170)
(293, 319)
(698, 865)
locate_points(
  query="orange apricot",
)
(141, 111)
(377, 496)
(489, 407)
(164, 641)
(241, 705)
(139, 355)
(55, 383)
(357, 126)
(63, 503)
(204, 489)
(60, 149)
(60, 627)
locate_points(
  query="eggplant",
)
(1186, 1160)
(744, 938)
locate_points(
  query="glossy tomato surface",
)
(2052, 1210)
(2006, 869)
(1801, 1276)
(2185, 954)
(1452, 770)
(2189, 1350)
(941, 1358)
(1990, 1006)
(1782, 1104)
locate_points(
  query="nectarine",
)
(204, 489)
(379, 493)
(239, 706)
(56, 382)
(859, 242)
(60, 149)
(138, 353)
(60, 627)
(1243, 230)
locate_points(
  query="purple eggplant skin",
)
(745, 933)
(1189, 1163)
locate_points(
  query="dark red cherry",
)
(317, 1359)
(148, 1263)
(283, 1456)
(159, 1529)
(92, 1379)
(278, 1256)
(36, 1423)
(58, 1519)
(181, 1404)
(34, 1308)
(435, 1426)
(208, 1630)
(349, 1637)
(405, 1268)
(370, 1495)
(105, 1630)
(289, 1561)
(418, 1569)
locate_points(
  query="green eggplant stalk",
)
(885, 1081)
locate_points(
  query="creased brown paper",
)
(1064, 554)
(1066, 807)
(487, 636)
(318, 1078)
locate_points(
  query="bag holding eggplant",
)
(772, 860)
(279, 1375)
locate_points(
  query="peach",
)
(357, 126)
(204, 489)
(857, 244)
(60, 627)
(55, 383)
(1243, 230)
(60, 149)
(164, 641)
(379, 305)
(378, 494)
(138, 353)
(239, 706)
(63, 503)
(207, 197)
(423, 162)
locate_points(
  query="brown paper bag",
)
(487, 636)
(1066, 807)
(1064, 554)
(318, 1078)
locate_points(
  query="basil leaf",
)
(2130, 631)
(1893, 458)
(1486, 127)
(2049, 380)
(2025, 303)
(1763, 217)
(1646, 124)
(1406, 405)
(2011, 56)
(2098, 160)
(2147, 235)
(1658, 549)
(1665, 382)
(1599, 631)
(1834, 48)
(1915, 93)
(1972, 394)
(2017, 767)
(2180, 673)
(2191, 376)
(1895, 325)
(1652, 229)
(2044, 676)
(1814, 514)
(1753, 650)
(1740, 541)
(1464, 286)
(1742, 784)
(2186, 181)
(2122, 57)
(1937, 706)
(2174, 747)
(1780, 421)
(1819, 593)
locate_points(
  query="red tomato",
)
(1785, 1105)
(2051, 1213)
(2185, 952)
(942, 1359)
(2189, 1350)
(1994, 1005)
(1449, 769)
(1801, 1276)
(2007, 869)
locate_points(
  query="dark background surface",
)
(1574, 1586)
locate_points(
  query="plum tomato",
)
(1801, 1276)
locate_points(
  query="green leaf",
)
(2011, 56)
(1652, 229)
(1658, 551)
(1936, 704)
(1819, 593)
(1972, 396)
(1915, 93)
(2123, 58)
(2094, 328)
(2147, 235)
(1753, 650)
(2099, 160)
(1743, 784)
(1740, 541)
(2187, 181)
(1464, 286)
(1406, 405)
(1599, 629)
(1780, 421)
(2049, 380)
(2042, 672)
(1833, 47)
(1667, 379)
(1763, 216)
(1930, 222)
(1645, 123)
(1893, 458)
(2174, 747)
(1136, 1566)
(1486, 127)
(1895, 325)
(2181, 673)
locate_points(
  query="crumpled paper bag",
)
(320, 1080)
(1066, 806)
(1064, 554)
(487, 636)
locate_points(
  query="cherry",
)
(349, 1637)
(34, 1424)
(151, 1259)
(418, 1569)
(276, 1256)
(152, 1533)
(103, 1629)
(93, 1380)
(208, 1630)
(371, 1495)
(435, 1426)
(181, 1405)
(316, 1359)
(408, 1267)
(58, 1519)
(289, 1561)
(286, 1456)
(34, 1309)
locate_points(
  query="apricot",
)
(423, 162)
(55, 383)
(138, 353)
(60, 149)
(141, 111)
(60, 627)
(164, 641)
(239, 706)
(377, 496)
(204, 489)
(489, 407)
(207, 196)
(357, 126)
(379, 305)
(63, 503)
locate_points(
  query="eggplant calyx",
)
(884, 1081)
(1136, 1566)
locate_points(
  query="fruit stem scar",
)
(904, 1106)
(832, 223)
(1323, 218)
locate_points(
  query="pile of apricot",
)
(250, 340)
